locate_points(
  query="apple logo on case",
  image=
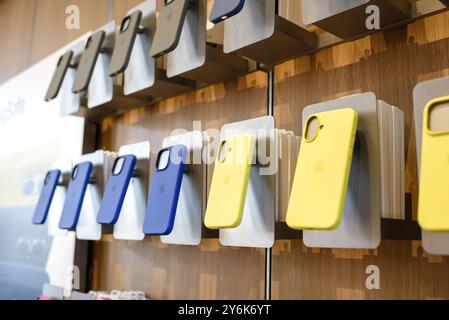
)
(320, 166)
(162, 188)
(227, 180)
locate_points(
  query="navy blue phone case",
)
(47, 193)
(115, 192)
(224, 9)
(164, 193)
(75, 195)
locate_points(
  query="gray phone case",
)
(87, 62)
(124, 43)
(58, 76)
(169, 26)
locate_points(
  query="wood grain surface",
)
(16, 38)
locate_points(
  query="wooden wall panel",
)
(50, 32)
(390, 64)
(178, 272)
(15, 38)
(406, 272)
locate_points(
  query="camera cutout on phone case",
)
(439, 118)
(75, 172)
(163, 160)
(125, 24)
(118, 166)
(47, 178)
(312, 128)
(224, 151)
(88, 42)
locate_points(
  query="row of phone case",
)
(178, 30)
(349, 151)
(89, 210)
(87, 73)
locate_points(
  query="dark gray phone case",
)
(87, 62)
(58, 76)
(124, 43)
(169, 27)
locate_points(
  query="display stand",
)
(129, 225)
(187, 229)
(197, 60)
(257, 226)
(367, 196)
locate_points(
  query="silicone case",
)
(433, 201)
(224, 9)
(87, 62)
(169, 26)
(322, 172)
(229, 183)
(58, 76)
(48, 190)
(124, 43)
(116, 188)
(164, 193)
(75, 195)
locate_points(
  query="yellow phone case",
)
(433, 200)
(322, 172)
(229, 183)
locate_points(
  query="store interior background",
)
(389, 63)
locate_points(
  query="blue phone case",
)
(75, 195)
(115, 192)
(164, 194)
(224, 9)
(48, 190)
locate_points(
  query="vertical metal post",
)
(268, 252)
(270, 112)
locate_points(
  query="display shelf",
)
(164, 88)
(347, 19)
(391, 230)
(267, 38)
